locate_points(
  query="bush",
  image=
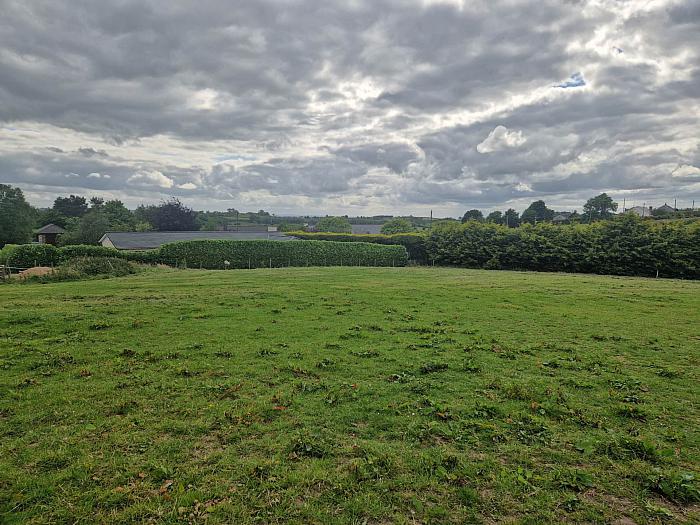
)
(5, 252)
(212, 254)
(90, 266)
(29, 255)
(626, 245)
(142, 256)
(413, 242)
(86, 250)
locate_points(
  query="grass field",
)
(350, 395)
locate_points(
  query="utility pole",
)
(624, 200)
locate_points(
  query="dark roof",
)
(367, 228)
(50, 228)
(149, 240)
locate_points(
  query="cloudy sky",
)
(357, 107)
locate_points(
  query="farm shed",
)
(151, 240)
(49, 234)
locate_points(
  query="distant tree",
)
(334, 225)
(537, 212)
(16, 216)
(599, 207)
(118, 215)
(89, 229)
(495, 217)
(50, 216)
(473, 215)
(511, 218)
(73, 206)
(96, 202)
(145, 213)
(172, 215)
(397, 225)
(290, 227)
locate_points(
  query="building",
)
(664, 210)
(640, 210)
(49, 234)
(561, 217)
(151, 240)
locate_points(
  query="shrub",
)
(86, 250)
(142, 256)
(29, 255)
(413, 242)
(626, 245)
(5, 252)
(212, 254)
(90, 266)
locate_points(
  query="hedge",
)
(626, 245)
(72, 251)
(413, 242)
(99, 265)
(5, 252)
(212, 254)
(29, 255)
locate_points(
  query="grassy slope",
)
(321, 396)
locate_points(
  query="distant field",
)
(350, 395)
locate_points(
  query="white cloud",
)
(686, 170)
(150, 178)
(501, 138)
(187, 186)
(96, 175)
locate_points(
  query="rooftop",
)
(150, 240)
(50, 228)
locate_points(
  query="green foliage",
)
(599, 207)
(141, 256)
(5, 252)
(537, 212)
(89, 229)
(73, 206)
(16, 216)
(214, 254)
(397, 225)
(334, 225)
(626, 245)
(91, 266)
(29, 255)
(86, 250)
(473, 215)
(413, 242)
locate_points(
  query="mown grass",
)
(350, 395)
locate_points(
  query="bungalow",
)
(49, 234)
(642, 211)
(151, 240)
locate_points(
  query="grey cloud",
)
(382, 102)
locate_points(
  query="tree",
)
(172, 215)
(334, 225)
(89, 230)
(397, 225)
(600, 207)
(73, 206)
(495, 217)
(118, 215)
(16, 216)
(473, 215)
(511, 218)
(537, 212)
(96, 202)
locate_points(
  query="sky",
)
(352, 107)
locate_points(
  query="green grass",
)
(350, 395)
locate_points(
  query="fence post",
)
(270, 263)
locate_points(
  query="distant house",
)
(640, 210)
(151, 240)
(561, 217)
(367, 228)
(664, 210)
(49, 234)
